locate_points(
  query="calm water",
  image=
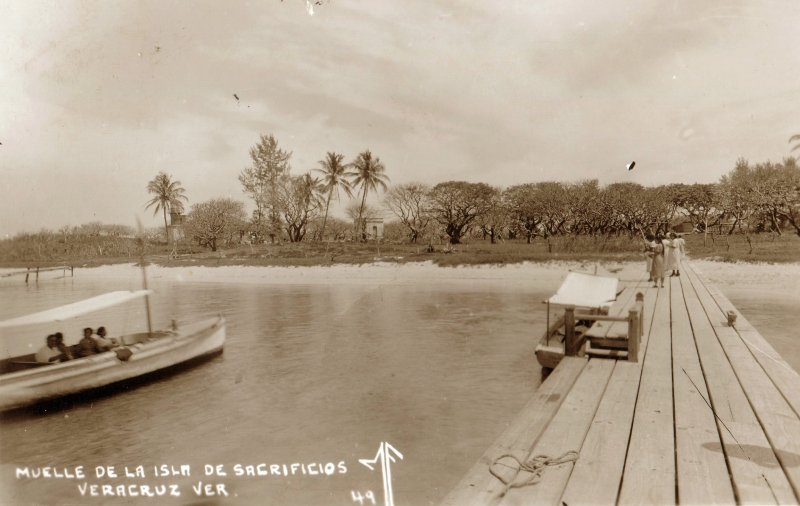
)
(310, 374)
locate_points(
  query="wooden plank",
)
(565, 433)
(478, 486)
(650, 298)
(785, 378)
(649, 475)
(775, 415)
(702, 473)
(598, 471)
(755, 471)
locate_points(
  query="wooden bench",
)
(604, 343)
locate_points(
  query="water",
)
(310, 374)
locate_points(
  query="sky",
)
(97, 97)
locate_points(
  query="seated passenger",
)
(102, 340)
(63, 348)
(49, 352)
(89, 345)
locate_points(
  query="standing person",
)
(679, 248)
(648, 251)
(669, 254)
(657, 269)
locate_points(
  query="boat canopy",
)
(586, 290)
(79, 308)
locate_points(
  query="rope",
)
(535, 466)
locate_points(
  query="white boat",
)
(23, 381)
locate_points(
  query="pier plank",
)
(780, 422)
(755, 471)
(603, 451)
(478, 486)
(708, 416)
(565, 433)
(701, 470)
(785, 378)
(649, 474)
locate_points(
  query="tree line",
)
(751, 198)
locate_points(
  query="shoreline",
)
(784, 278)
(378, 272)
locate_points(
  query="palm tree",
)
(368, 173)
(793, 138)
(334, 174)
(167, 196)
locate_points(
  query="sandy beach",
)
(754, 277)
(380, 272)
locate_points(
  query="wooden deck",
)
(708, 415)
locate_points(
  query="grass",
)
(760, 248)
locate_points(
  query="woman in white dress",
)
(669, 254)
(678, 252)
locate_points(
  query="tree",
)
(215, 221)
(629, 209)
(334, 174)
(524, 208)
(300, 201)
(787, 197)
(496, 217)
(794, 138)
(167, 197)
(735, 195)
(699, 202)
(367, 172)
(457, 204)
(261, 182)
(409, 202)
(553, 201)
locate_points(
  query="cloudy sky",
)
(97, 97)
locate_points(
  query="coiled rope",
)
(535, 466)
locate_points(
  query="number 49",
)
(359, 498)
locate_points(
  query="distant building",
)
(175, 228)
(683, 227)
(373, 227)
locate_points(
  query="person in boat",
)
(102, 340)
(67, 355)
(89, 344)
(49, 352)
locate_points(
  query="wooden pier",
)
(36, 270)
(707, 415)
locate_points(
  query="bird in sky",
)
(630, 166)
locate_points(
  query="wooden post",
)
(633, 335)
(640, 309)
(731, 318)
(72, 271)
(37, 275)
(28, 273)
(570, 341)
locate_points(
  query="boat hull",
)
(147, 356)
